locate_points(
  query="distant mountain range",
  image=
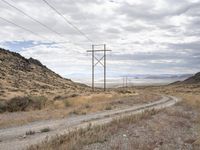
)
(160, 76)
(195, 79)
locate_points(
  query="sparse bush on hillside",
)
(18, 104)
(74, 95)
(45, 130)
(108, 108)
(59, 97)
(37, 102)
(3, 106)
(23, 104)
(2, 92)
(87, 106)
(124, 91)
(67, 103)
(30, 132)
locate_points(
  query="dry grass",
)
(75, 140)
(81, 137)
(78, 105)
(192, 100)
(190, 94)
(23, 104)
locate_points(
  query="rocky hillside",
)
(193, 80)
(21, 76)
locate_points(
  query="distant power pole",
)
(125, 81)
(99, 61)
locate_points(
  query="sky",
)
(146, 37)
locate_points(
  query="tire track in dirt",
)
(15, 138)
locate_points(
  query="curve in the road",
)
(13, 138)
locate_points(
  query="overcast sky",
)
(146, 37)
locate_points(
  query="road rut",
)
(14, 138)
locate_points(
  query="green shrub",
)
(45, 130)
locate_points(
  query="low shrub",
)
(58, 97)
(3, 106)
(124, 91)
(67, 103)
(30, 132)
(37, 102)
(24, 103)
(45, 130)
(18, 104)
(87, 106)
(108, 108)
(74, 95)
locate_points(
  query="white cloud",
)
(129, 27)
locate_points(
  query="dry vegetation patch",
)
(75, 140)
(23, 104)
(168, 129)
(43, 108)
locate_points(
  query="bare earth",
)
(175, 128)
(17, 135)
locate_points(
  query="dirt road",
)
(15, 138)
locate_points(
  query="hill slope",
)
(21, 76)
(193, 80)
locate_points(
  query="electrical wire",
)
(70, 23)
(10, 22)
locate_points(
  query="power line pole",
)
(125, 82)
(92, 67)
(104, 67)
(99, 61)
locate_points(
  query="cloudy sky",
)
(146, 37)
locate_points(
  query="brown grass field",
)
(63, 106)
(177, 127)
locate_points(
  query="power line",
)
(28, 30)
(8, 21)
(42, 24)
(76, 28)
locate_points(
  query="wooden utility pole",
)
(99, 61)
